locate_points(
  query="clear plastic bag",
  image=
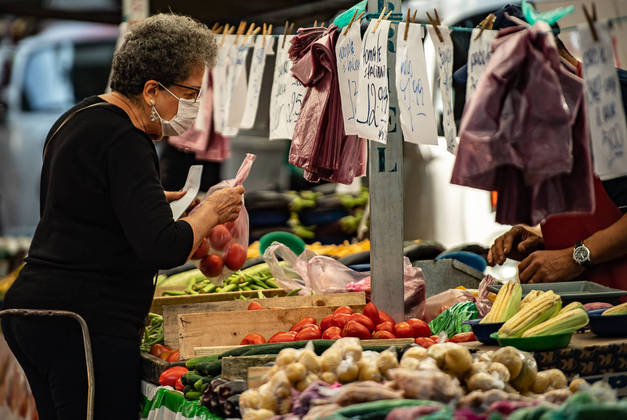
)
(436, 304)
(229, 241)
(484, 304)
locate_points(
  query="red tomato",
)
(355, 329)
(230, 226)
(327, 322)
(202, 250)
(179, 385)
(343, 310)
(157, 349)
(174, 356)
(211, 265)
(383, 317)
(341, 319)
(253, 338)
(372, 312)
(385, 326)
(308, 332)
(332, 333)
(363, 320)
(255, 306)
(219, 236)
(235, 256)
(171, 375)
(300, 324)
(403, 330)
(421, 328)
(382, 335)
(425, 342)
(463, 337)
(282, 337)
(436, 338)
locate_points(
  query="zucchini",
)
(187, 389)
(193, 395)
(191, 363)
(182, 279)
(209, 368)
(190, 378)
(173, 293)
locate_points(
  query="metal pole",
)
(386, 194)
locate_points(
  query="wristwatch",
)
(581, 255)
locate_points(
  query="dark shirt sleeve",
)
(139, 203)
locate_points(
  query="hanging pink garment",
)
(319, 145)
(524, 134)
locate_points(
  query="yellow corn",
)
(532, 314)
(571, 306)
(533, 294)
(507, 303)
(564, 322)
(617, 310)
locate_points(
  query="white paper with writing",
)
(479, 53)
(444, 59)
(135, 10)
(192, 186)
(348, 54)
(373, 104)
(287, 95)
(238, 85)
(604, 106)
(255, 79)
(412, 88)
(219, 75)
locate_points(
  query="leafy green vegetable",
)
(451, 320)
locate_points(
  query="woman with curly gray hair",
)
(106, 226)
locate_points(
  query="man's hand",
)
(517, 243)
(549, 266)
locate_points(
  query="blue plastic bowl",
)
(473, 260)
(607, 326)
(483, 331)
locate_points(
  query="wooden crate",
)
(223, 329)
(158, 302)
(152, 367)
(170, 312)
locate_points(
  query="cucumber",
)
(187, 389)
(190, 378)
(191, 363)
(198, 385)
(209, 368)
(173, 293)
(193, 395)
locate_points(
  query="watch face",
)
(581, 254)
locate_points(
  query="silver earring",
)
(153, 115)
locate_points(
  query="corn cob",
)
(565, 322)
(542, 308)
(507, 303)
(571, 306)
(617, 310)
(533, 294)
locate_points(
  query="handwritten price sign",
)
(348, 53)
(479, 53)
(254, 80)
(373, 104)
(221, 92)
(412, 87)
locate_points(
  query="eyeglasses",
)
(198, 91)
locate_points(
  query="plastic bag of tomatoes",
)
(224, 251)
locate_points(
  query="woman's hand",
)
(549, 266)
(171, 196)
(225, 203)
(517, 243)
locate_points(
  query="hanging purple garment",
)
(319, 145)
(522, 133)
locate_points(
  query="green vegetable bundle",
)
(153, 334)
(452, 319)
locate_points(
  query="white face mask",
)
(184, 118)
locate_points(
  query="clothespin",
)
(407, 25)
(287, 25)
(315, 23)
(218, 29)
(435, 25)
(376, 26)
(350, 23)
(251, 33)
(437, 17)
(413, 18)
(291, 29)
(486, 23)
(591, 18)
(240, 31)
(215, 27)
(263, 35)
(226, 30)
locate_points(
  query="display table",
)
(163, 403)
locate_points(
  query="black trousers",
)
(51, 353)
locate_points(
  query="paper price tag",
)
(220, 92)
(254, 81)
(604, 106)
(412, 88)
(479, 53)
(192, 186)
(444, 59)
(373, 103)
(238, 86)
(348, 54)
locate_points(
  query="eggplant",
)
(231, 407)
(225, 391)
(210, 397)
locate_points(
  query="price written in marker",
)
(348, 54)
(479, 53)
(255, 80)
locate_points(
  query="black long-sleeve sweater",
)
(105, 225)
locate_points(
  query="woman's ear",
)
(151, 88)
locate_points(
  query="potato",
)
(328, 377)
(541, 383)
(250, 399)
(457, 359)
(511, 358)
(351, 349)
(557, 379)
(437, 352)
(368, 372)
(410, 363)
(417, 352)
(483, 356)
(499, 371)
(527, 376)
(484, 382)
(295, 372)
(576, 384)
(308, 380)
(347, 372)
(286, 356)
(267, 400)
(310, 360)
(258, 415)
(330, 359)
(387, 360)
